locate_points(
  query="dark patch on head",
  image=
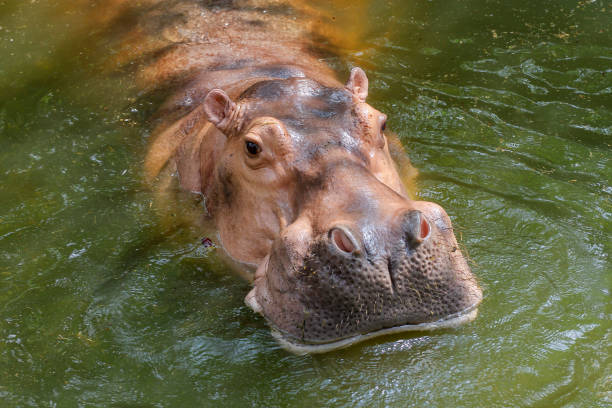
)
(300, 103)
(298, 87)
(237, 64)
(265, 90)
(278, 71)
(323, 114)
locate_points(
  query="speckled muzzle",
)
(378, 273)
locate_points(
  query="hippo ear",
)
(358, 84)
(219, 108)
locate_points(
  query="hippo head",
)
(304, 189)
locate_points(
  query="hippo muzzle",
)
(386, 265)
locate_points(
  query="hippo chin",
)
(299, 181)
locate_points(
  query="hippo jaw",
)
(448, 322)
(298, 346)
(323, 300)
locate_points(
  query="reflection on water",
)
(505, 108)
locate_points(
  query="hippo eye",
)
(383, 126)
(252, 147)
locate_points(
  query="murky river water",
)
(506, 109)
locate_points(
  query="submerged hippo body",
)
(297, 175)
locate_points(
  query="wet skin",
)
(298, 180)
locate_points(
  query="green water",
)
(506, 109)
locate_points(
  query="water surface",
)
(504, 106)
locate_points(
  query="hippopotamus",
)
(298, 173)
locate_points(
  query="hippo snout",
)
(362, 279)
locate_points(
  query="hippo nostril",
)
(416, 227)
(342, 240)
(424, 233)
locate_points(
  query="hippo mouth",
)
(322, 305)
(295, 346)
